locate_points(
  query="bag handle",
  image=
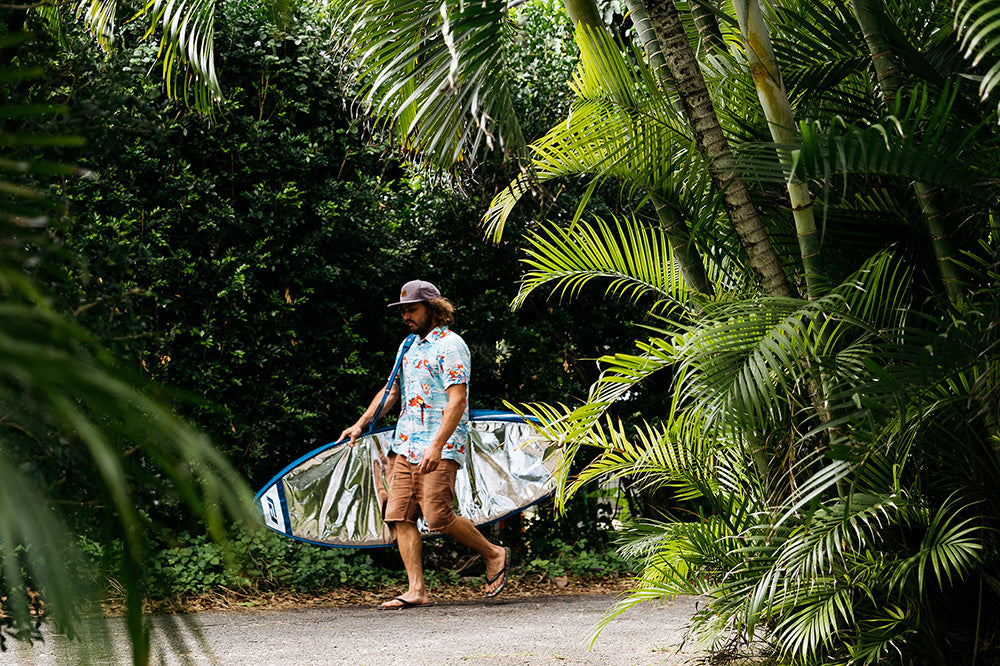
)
(392, 377)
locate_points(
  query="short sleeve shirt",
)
(429, 367)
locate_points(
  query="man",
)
(430, 441)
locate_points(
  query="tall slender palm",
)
(774, 101)
(623, 126)
(872, 17)
(712, 143)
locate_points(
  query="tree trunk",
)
(585, 11)
(708, 25)
(647, 39)
(713, 146)
(781, 121)
(869, 14)
(692, 265)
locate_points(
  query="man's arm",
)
(453, 412)
(391, 397)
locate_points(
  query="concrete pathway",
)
(524, 631)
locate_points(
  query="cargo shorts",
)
(412, 494)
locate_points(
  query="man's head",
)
(423, 308)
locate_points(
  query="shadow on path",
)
(524, 631)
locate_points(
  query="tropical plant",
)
(824, 445)
(856, 553)
(69, 413)
(837, 532)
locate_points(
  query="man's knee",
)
(440, 519)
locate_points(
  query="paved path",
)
(523, 631)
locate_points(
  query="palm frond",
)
(978, 25)
(187, 39)
(621, 126)
(436, 72)
(636, 261)
(742, 365)
(918, 145)
(56, 386)
(52, 563)
(950, 548)
(622, 372)
(813, 626)
(186, 31)
(748, 362)
(820, 50)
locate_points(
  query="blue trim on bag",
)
(474, 415)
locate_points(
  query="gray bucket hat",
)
(416, 291)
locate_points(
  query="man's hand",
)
(430, 460)
(353, 433)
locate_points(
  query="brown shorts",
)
(412, 493)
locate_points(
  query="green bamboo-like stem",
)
(870, 14)
(585, 11)
(707, 24)
(647, 39)
(781, 121)
(712, 143)
(692, 264)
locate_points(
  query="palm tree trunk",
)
(692, 265)
(707, 24)
(869, 14)
(714, 147)
(584, 10)
(780, 119)
(691, 262)
(647, 39)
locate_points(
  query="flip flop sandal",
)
(500, 575)
(403, 604)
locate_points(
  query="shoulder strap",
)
(392, 377)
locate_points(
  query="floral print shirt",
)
(429, 367)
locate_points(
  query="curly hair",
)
(442, 311)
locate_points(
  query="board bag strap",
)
(392, 377)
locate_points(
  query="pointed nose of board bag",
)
(330, 495)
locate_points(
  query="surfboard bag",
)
(333, 496)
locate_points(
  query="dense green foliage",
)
(831, 461)
(246, 260)
(242, 262)
(828, 464)
(825, 466)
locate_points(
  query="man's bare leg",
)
(411, 552)
(464, 531)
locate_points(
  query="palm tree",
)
(767, 79)
(622, 126)
(840, 553)
(853, 551)
(712, 143)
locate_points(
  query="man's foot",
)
(496, 581)
(399, 603)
